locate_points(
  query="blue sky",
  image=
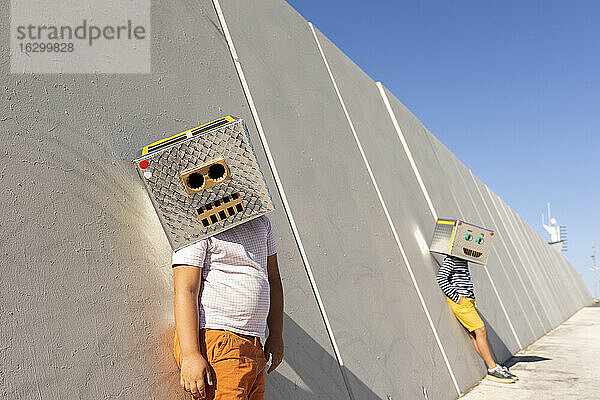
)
(512, 88)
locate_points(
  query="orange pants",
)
(237, 361)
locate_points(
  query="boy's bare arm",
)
(274, 343)
(186, 279)
(194, 367)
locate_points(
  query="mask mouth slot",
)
(471, 253)
(220, 209)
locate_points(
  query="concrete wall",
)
(86, 300)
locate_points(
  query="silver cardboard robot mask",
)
(461, 239)
(204, 180)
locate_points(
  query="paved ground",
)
(564, 364)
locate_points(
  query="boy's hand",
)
(274, 346)
(193, 371)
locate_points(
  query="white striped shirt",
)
(455, 279)
(234, 293)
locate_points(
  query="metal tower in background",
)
(558, 233)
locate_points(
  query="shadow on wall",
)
(304, 355)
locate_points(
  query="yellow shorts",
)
(466, 313)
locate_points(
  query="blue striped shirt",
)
(455, 279)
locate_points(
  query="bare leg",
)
(482, 347)
(472, 335)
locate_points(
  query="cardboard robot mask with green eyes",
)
(463, 240)
(204, 180)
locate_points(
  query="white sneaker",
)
(505, 369)
(498, 374)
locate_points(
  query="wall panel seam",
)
(280, 189)
(381, 200)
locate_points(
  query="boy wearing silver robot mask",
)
(211, 199)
